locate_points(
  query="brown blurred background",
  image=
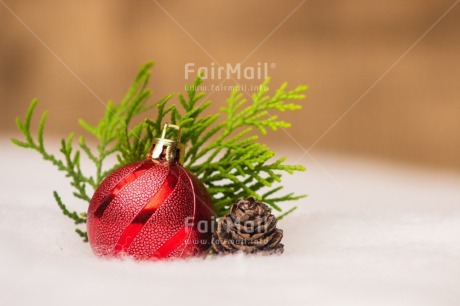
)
(62, 52)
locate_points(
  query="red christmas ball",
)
(151, 209)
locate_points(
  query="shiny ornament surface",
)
(148, 210)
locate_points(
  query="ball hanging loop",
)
(166, 149)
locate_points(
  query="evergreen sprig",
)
(222, 150)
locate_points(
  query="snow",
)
(370, 233)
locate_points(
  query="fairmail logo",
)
(228, 71)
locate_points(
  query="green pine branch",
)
(222, 149)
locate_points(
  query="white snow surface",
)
(369, 233)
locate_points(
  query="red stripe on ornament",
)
(131, 231)
(116, 190)
(118, 187)
(173, 243)
(180, 236)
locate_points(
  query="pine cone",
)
(249, 228)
